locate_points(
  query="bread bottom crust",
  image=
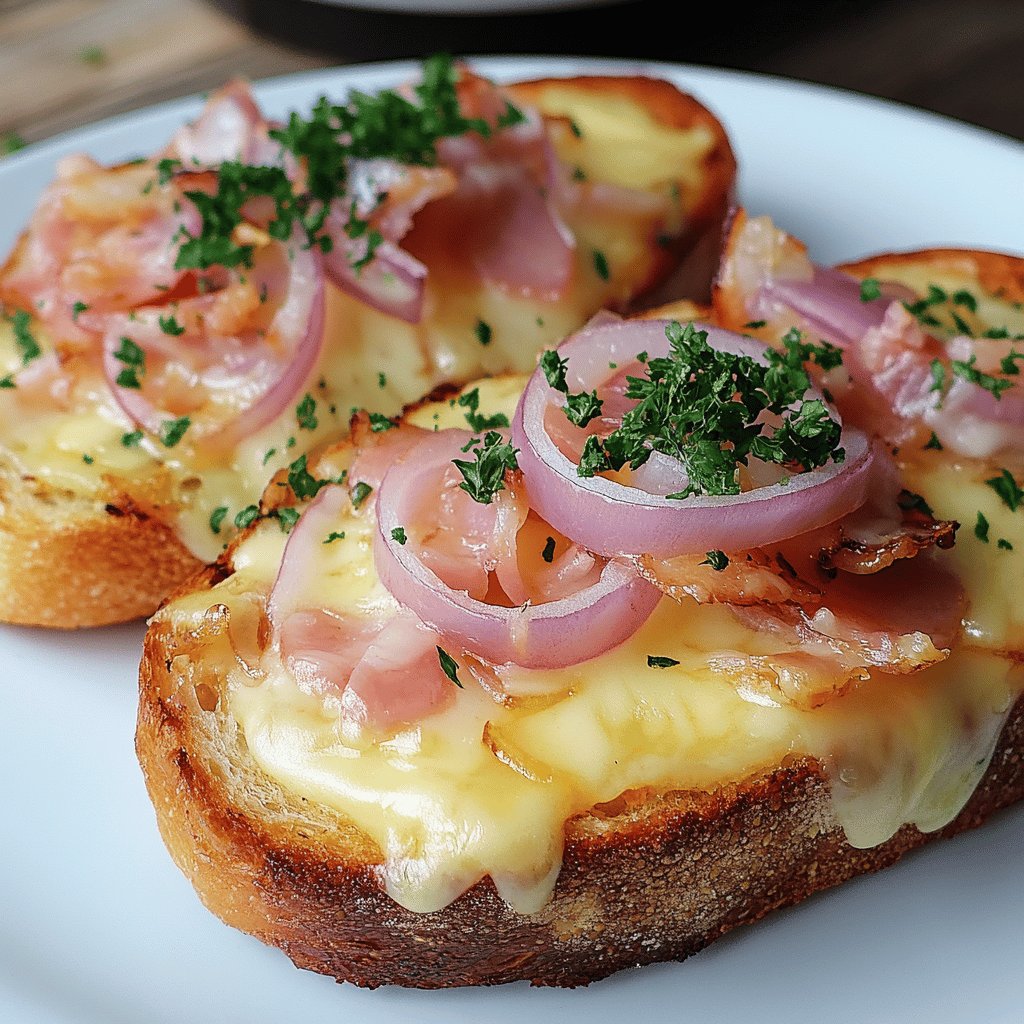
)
(652, 877)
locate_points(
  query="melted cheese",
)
(485, 788)
(79, 447)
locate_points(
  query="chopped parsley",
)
(981, 528)
(217, 518)
(601, 265)
(920, 309)
(580, 408)
(548, 554)
(172, 431)
(655, 661)
(268, 455)
(483, 332)
(77, 309)
(966, 299)
(934, 443)
(134, 360)
(718, 560)
(575, 128)
(1007, 488)
(704, 407)
(382, 380)
(247, 516)
(755, 325)
(969, 372)
(1003, 544)
(870, 289)
(7, 382)
(305, 413)
(335, 535)
(287, 517)
(302, 482)
(88, 459)
(485, 476)
(379, 422)
(360, 493)
(911, 502)
(132, 439)
(449, 666)
(478, 423)
(398, 535)
(11, 142)
(23, 337)
(169, 325)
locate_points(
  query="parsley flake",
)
(1003, 544)
(870, 289)
(981, 528)
(172, 431)
(247, 516)
(360, 493)
(911, 502)
(382, 380)
(485, 476)
(305, 413)
(287, 517)
(655, 661)
(449, 666)
(379, 422)
(11, 142)
(132, 439)
(134, 359)
(217, 518)
(1006, 487)
(483, 332)
(398, 535)
(601, 265)
(934, 443)
(335, 535)
(478, 423)
(169, 325)
(77, 309)
(23, 337)
(718, 560)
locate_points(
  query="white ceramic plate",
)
(96, 924)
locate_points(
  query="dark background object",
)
(956, 58)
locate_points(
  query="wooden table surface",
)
(68, 62)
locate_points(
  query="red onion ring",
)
(267, 369)
(612, 519)
(551, 635)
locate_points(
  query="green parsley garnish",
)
(247, 516)
(1003, 544)
(134, 359)
(754, 325)
(911, 502)
(379, 422)
(449, 666)
(478, 423)
(966, 299)
(217, 517)
(934, 443)
(11, 142)
(302, 482)
(575, 128)
(578, 174)
(305, 413)
(580, 408)
(1006, 487)
(969, 372)
(172, 431)
(601, 265)
(920, 308)
(88, 460)
(548, 554)
(398, 535)
(78, 308)
(335, 535)
(360, 493)
(981, 528)
(718, 560)
(704, 407)
(485, 476)
(268, 455)
(870, 289)
(7, 382)
(94, 56)
(654, 661)
(287, 517)
(23, 338)
(483, 332)
(132, 439)
(169, 325)
(382, 380)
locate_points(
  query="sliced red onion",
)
(613, 519)
(393, 282)
(551, 635)
(262, 371)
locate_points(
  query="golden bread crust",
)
(69, 561)
(650, 877)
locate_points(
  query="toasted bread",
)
(654, 868)
(91, 539)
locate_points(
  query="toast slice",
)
(99, 518)
(672, 807)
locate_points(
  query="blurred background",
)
(65, 63)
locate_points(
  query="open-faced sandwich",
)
(177, 328)
(566, 673)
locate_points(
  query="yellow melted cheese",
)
(79, 447)
(485, 788)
